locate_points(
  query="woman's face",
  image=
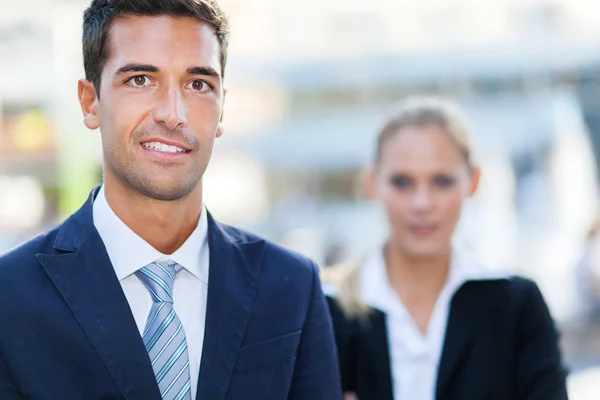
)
(422, 180)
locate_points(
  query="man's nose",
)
(171, 109)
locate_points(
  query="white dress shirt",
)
(414, 356)
(128, 252)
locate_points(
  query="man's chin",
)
(164, 190)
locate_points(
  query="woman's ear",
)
(88, 100)
(475, 178)
(370, 182)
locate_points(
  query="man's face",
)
(160, 104)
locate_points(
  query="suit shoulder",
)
(522, 287)
(512, 285)
(28, 251)
(290, 264)
(511, 292)
(518, 292)
(273, 252)
(278, 253)
(239, 235)
(528, 294)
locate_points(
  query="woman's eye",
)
(399, 182)
(444, 181)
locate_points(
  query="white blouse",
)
(414, 356)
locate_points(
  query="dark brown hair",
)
(98, 17)
(425, 111)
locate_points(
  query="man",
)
(141, 294)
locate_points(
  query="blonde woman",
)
(417, 318)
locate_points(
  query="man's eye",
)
(139, 81)
(199, 85)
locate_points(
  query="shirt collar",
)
(128, 252)
(377, 292)
(375, 288)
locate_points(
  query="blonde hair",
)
(423, 111)
(345, 278)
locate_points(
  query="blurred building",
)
(309, 84)
(313, 83)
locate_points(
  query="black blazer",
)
(501, 344)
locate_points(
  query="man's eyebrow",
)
(136, 68)
(207, 71)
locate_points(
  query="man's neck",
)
(165, 225)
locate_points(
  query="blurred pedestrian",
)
(418, 318)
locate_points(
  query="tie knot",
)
(158, 278)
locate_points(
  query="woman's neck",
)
(416, 270)
(417, 281)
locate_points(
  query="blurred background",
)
(309, 85)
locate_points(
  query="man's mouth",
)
(163, 148)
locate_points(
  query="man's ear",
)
(88, 100)
(220, 127)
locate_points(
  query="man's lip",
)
(167, 142)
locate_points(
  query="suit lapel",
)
(233, 277)
(84, 276)
(378, 353)
(468, 308)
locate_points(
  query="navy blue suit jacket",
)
(67, 332)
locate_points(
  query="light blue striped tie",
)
(164, 336)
